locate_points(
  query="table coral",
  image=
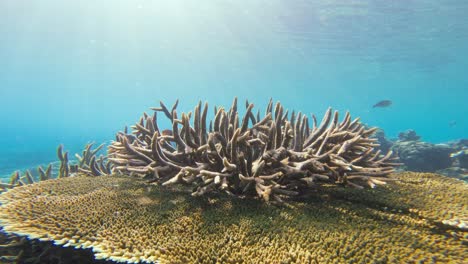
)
(414, 218)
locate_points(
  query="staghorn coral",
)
(64, 170)
(17, 180)
(88, 164)
(412, 219)
(273, 157)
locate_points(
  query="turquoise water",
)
(79, 71)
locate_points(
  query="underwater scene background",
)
(110, 152)
(78, 71)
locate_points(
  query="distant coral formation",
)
(274, 156)
(423, 156)
(450, 158)
(413, 219)
(408, 135)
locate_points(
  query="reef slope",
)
(417, 217)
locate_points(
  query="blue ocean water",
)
(78, 71)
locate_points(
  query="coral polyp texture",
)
(274, 156)
(413, 219)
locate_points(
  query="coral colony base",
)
(150, 218)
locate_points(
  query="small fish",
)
(452, 123)
(383, 103)
(459, 153)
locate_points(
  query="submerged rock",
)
(423, 156)
(411, 219)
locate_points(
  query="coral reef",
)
(272, 156)
(412, 219)
(449, 159)
(423, 156)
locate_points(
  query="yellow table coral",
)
(417, 218)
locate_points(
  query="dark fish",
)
(166, 132)
(452, 123)
(383, 103)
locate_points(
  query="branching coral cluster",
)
(273, 156)
(16, 179)
(88, 163)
